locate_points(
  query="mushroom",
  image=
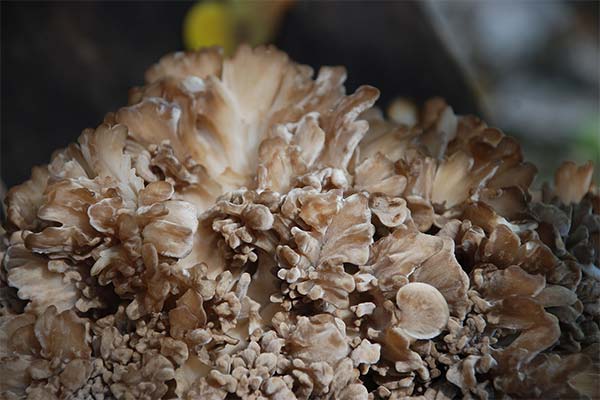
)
(423, 311)
(244, 229)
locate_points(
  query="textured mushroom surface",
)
(244, 230)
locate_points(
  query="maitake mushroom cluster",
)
(242, 230)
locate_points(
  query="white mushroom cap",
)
(423, 310)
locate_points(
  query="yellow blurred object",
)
(209, 24)
(229, 23)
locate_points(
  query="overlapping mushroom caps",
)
(242, 230)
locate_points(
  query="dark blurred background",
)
(530, 68)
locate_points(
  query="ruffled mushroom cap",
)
(408, 255)
(311, 333)
(243, 230)
(55, 345)
(573, 182)
(26, 200)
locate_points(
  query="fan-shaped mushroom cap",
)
(423, 310)
(319, 338)
(573, 182)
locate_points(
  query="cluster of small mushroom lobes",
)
(242, 230)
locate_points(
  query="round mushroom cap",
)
(423, 310)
